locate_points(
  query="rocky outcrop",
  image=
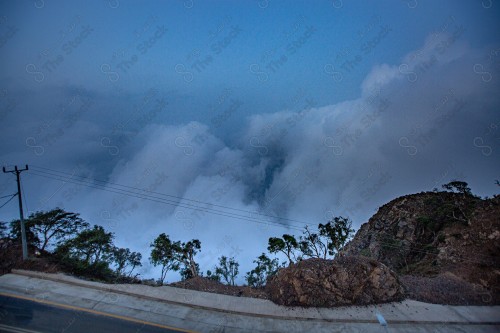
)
(354, 280)
(432, 233)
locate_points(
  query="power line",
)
(5, 196)
(208, 210)
(12, 197)
(168, 195)
(168, 202)
(177, 204)
(185, 205)
(164, 201)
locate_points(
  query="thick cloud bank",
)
(418, 124)
(415, 127)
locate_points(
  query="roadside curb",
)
(45, 276)
(70, 280)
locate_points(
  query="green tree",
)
(265, 268)
(171, 255)
(213, 276)
(456, 208)
(328, 241)
(185, 254)
(90, 246)
(227, 269)
(124, 258)
(458, 187)
(312, 245)
(287, 245)
(90, 253)
(186, 272)
(163, 254)
(336, 233)
(55, 224)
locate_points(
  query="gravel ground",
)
(11, 257)
(211, 286)
(447, 289)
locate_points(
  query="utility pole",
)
(21, 214)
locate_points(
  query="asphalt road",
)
(19, 314)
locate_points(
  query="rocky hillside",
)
(439, 235)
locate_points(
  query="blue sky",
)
(339, 34)
(302, 109)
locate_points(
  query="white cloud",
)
(398, 137)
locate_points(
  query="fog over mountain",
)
(256, 156)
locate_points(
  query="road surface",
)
(65, 303)
(18, 314)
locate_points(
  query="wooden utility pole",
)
(21, 214)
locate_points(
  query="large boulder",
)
(351, 280)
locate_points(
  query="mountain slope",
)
(436, 234)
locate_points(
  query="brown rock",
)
(433, 233)
(352, 280)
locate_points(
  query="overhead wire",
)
(164, 201)
(169, 195)
(152, 198)
(5, 196)
(12, 197)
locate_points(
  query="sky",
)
(234, 121)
